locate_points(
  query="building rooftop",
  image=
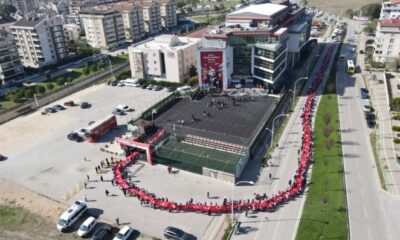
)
(258, 10)
(394, 22)
(165, 42)
(237, 124)
(98, 12)
(394, 1)
(29, 22)
(298, 27)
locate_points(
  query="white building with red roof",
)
(387, 40)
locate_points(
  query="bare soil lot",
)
(339, 7)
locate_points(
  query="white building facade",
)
(152, 17)
(390, 9)
(165, 57)
(387, 40)
(40, 40)
(104, 29)
(132, 15)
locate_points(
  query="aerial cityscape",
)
(199, 119)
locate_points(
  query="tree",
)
(189, 9)
(20, 93)
(216, 8)
(192, 81)
(372, 11)
(6, 10)
(349, 13)
(86, 70)
(39, 89)
(50, 86)
(10, 96)
(93, 67)
(192, 71)
(60, 81)
(370, 28)
(180, 4)
(29, 93)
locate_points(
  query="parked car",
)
(157, 88)
(102, 232)
(2, 157)
(149, 87)
(361, 51)
(73, 136)
(69, 103)
(49, 110)
(177, 234)
(87, 226)
(367, 108)
(118, 112)
(58, 107)
(364, 90)
(124, 108)
(71, 215)
(85, 105)
(370, 116)
(144, 86)
(124, 233)
(371, 123)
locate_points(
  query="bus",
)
(99, 128)
(350, 67)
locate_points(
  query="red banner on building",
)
(211, 69)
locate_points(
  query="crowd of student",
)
(295, 188)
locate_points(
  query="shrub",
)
(10, 96)
(327, 131)
(86, 70)
(60, 81)
(28, 81)
(396, 140)
(93, 67)
(396, 117)
(192, 81)
(328, 143)
(327, 118)
(50, 86)
(39, 89)
(396, 128)
(20, 93)
(396, 101)
(29, 93)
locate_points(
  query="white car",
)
(367, 108)
(81, 132)
(87, 226)
(124, 233)
(124, 108)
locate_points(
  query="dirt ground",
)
(339, 7)
(46, 210)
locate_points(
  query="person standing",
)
(208, 194)
(107, 192)
(88, 178)
(117, 221)
(101, 178)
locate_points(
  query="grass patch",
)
(227, 231)
(372, 138)
(12, 218)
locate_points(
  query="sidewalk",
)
(385, 146)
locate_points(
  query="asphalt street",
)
(372, 214)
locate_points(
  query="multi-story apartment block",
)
(40, 40)
(168, 14)
(387, 40)
(165, 57)
(72, 32)
(25, 5)
(151, 17)
(132, 15)
(104, 28)
(10, 64)
(390, 9)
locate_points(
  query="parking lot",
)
(41, 157)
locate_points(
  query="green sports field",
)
(192, 158)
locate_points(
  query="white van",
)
(131, 82)
(71, 215)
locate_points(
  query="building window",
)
(391, 40)
(389, 53)
(390, 47)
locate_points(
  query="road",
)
(372, 212)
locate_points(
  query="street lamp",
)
(294, 89)
(270, 145)
(248, 182)
(273, 124)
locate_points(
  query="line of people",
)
(295, 188)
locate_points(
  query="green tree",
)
(349, 13)
(60, 81)
(216, 8)
(10, 96)
(372, 11)
(86, 70)
(29, 93)
(6, 10)
(39, 89)
(192, 71)
(50, 86)
(20, 93)
(370, 28)
(180, 4)
(93, 67)
(28, 82)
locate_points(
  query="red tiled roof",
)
(394, 1)
(394, 22)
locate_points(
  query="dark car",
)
(58, 107)
(170, 89)
(69, 104)
(177, 234)
(118, 112)
(371, 123)
(364, 90)
(370, 116)
(102, 233)
(50, 110)
(2, 157)
(74, 137)
(144, 86)
(361, 51)
(85, 105)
